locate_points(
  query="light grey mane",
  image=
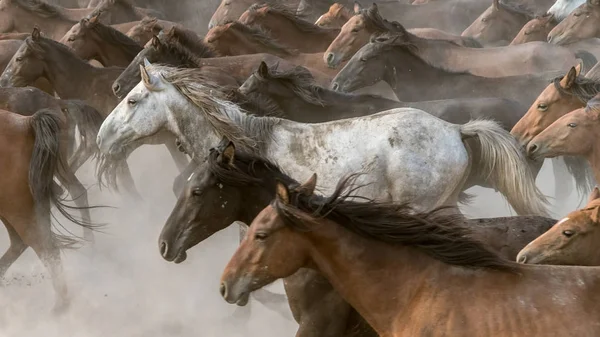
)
(249, 133)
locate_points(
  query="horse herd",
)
(266, 105)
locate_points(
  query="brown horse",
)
(90, 39)
(231, 10)
(535, 30)
(336, 16)
(499, 24)
(234, 39)
(582, 23)
(284, 26)
(533, 58)
(143, 30)
(573, 134)
(30, 158)
(572, 241)
(244, 184)
(405, 272)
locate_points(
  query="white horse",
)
(408, 154)
(562, 8)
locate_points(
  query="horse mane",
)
(255, 103)
(593, 104)
(584, 89)
(41, 8)
(442, 237)
(517, 8)
(190, 40)
(261, 37)
(225, 117)
(115, 37)
(291, 15)
(375, 21)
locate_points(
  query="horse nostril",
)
(522, 259)
(116, 88)
(550, 38)
(335, 86)
(330, 57)
(223, 289)
(163, 248)
(532, 149)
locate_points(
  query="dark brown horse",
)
(408, 274)
(233, 185)
(90, 39)
(284, 26)
(536, 29)
(31, 157)
(413, 78)
(230, 10)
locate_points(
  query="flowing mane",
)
(439, 236)
(115, 37)
(188, 39)
(261, 37)
(225, 117)
(584, 89)
(291, 15)
(41, 8)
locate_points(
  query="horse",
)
(73, 78)
(31, 156)
(499, 24)
(571, 241)
(563, 95)
(405, 272)
(562, 8)
(234, 38)
(283, 25)
(581, 24)
(90, 39)
(535, 30)
(201, 117)
(143, 30)
(572, 134)
(231, 10)
(336, 16)
(234, 185)
(302, 100)
(413, 77)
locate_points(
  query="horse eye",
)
(527, 32)
(568, 233)
(131, 101)
(355, 30)
(483, 19)
(571, 125)
(19, 59)
(70, 39)
(260, 236)
(196, 192)
(542, 107)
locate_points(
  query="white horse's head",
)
(562, 8)
(142, 113)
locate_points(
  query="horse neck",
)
(439, 51)
(111, 54)
(69, 75)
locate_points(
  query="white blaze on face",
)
(561, 221)
(190, 177)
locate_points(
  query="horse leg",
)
(17, 247)
(80, 196)
(180, 158)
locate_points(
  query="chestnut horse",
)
(284, 26)
(572, 134)
(143, 30)
(405, 272)
(336, 16)
(572, 241)
(245, 183)
(31, 157)
(581, 24)
(535, 30)
(90, 39)
(499, 24)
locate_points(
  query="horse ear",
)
(155, 42)
(95, 18)
(594, 195)
(35, 35)
(374, 9)
(578, 69)
(282, 193)
(357, 7)
(496, 4)
(146, 78)
(228, 155)
(569, 79)
(308, 188)
(146, 62)
(263, 70)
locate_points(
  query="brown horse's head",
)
(144, 30)
(499, 22)
(337, 16)
(574, 134)
(536, 29)
(254, 15)
(79, 40)
(560, 97)
(235, 38)
(27, 65)
(581, 24)
(270, 250)
(229, 10)
(572, 241)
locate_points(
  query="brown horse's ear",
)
(374, 9)
(308, 188)
(263, 70)
(155, 41)
(594, 195)
(145, 76)
(95, 18)
(595, 216)
(578, 69)
(35, 35)
(282, 193)
(171, 32)
(357, 7)
(228, 155)
(496, 4)
(569, 79)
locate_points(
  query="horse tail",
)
(588, 59)
(505, 167)
(88, 121)
(46, 162)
